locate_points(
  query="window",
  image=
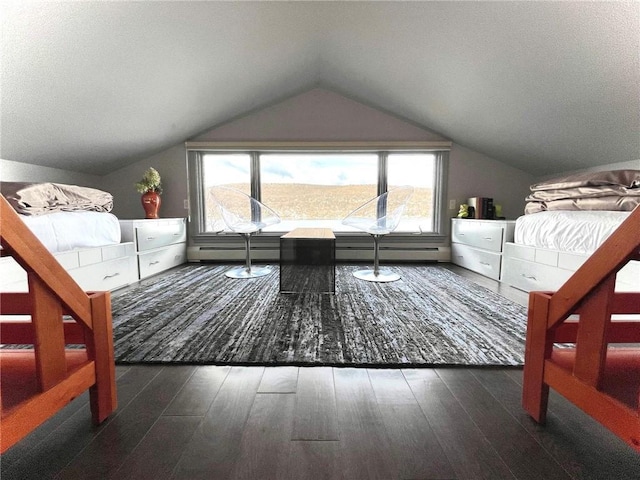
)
(316, 189)
(419, 171)
(229, 169)
(319, 188)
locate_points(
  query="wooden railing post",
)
(538, 347)
(51, 366)
(591, 341)
(100, 348)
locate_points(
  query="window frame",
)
(196, 150)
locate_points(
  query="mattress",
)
(569, 231)
(62, 231)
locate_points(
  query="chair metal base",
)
(253, 272)
(382, 276)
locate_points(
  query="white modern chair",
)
(379, 216)
(243, 215)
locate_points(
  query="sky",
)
(325, 169)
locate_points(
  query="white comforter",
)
(569, 231)
(64, 231)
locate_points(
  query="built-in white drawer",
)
(571, 261)
(159, 235)
(21, 285)
(68, 260)
(12, 274)
(85, 266)
(119, 250)
(481, 261)
(156, 261)
(628, 279)
(530, 276)
(481, 235)
(546, 257)
(554, 258)
(519, 251)
(107, 275)
(89, 256)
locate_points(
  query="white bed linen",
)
(569, 231)
(64, 231)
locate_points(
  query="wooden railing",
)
(52, 293)
(590, 294)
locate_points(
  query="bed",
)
(76, 226)
(64, 231)
(565, 221)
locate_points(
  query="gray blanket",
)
(615, 190)
(43, 198)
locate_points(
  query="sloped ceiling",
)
(543, 86)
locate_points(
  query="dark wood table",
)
(308, 261)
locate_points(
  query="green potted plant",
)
(151, 188)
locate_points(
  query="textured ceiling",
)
(543, 86)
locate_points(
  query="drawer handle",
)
(529, 277)
(154, 263)
(151, 238)
(176, 234)
(111, 276)
(488, 238)
(485, 264)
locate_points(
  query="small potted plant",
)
(151, 188)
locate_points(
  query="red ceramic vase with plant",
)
(151, 204)
(150, 187)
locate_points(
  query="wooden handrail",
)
(32, 255)
(52, 293)
(590, 293)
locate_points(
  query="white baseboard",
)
(223, 253)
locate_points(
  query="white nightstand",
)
(160, 243)
(478, 244)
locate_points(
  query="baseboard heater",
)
(343, 254)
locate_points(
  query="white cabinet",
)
(528, 268)
(160, 243)
(532, 268)
(478, 244)
(108, 275)
(94, 269)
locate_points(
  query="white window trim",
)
(337, 146)
(195, 150)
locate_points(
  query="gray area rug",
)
(194, 314)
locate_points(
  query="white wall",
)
(320, 115)
(25, 172)
(630, 165)
(171, 165)
(472, 174)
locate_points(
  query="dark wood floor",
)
(218, 422)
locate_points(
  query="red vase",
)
(151, 204)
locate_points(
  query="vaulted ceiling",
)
(543, 86)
